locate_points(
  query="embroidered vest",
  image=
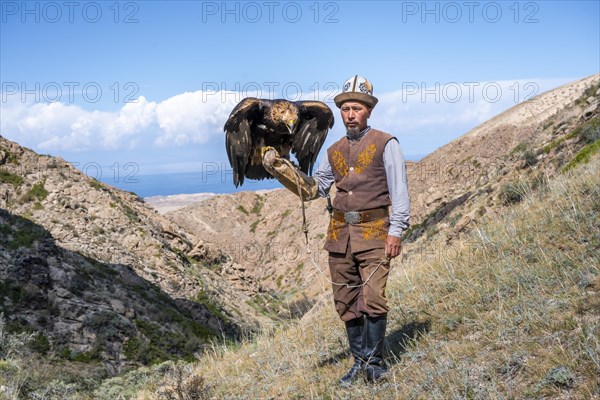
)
(361, 184)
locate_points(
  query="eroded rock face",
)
(105, 258)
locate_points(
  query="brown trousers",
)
(353, 297)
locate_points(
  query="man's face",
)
(355, 115)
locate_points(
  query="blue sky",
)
(152, 82)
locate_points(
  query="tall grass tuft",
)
(512, 311)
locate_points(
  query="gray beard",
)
(353, 133)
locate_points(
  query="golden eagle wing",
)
(239, 138)
(315, 119)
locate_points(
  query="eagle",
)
(299, 127)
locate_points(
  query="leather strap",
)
(364, 216)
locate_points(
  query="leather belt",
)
(356, 217)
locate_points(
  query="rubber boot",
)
(372, 354)
(354, 330)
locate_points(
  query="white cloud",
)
(452, 106)
(417, 106)
(136, 116)
(192, 117)
(57, 126)
(188, 117)
(197, 117)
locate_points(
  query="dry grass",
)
(512, 312)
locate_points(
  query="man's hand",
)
(393, 245)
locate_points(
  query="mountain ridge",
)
(92, 276)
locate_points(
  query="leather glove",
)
(291, 177)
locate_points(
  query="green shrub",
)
(22, 235)
(582, 100)
(86, 356)
(511, 193)
(203, 298)
(560, 377)
(590, 131)
(96, 184)
(8, 177)
(184, 384)
(11, 157)
(156, 343)
(529, 158)
(131, 214)
(133, 348)
(126, 385)
(583, 156)
(40, 344)
(258, 205)
(550, 146)
(37, 192)
(521, 147)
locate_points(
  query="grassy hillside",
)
(513, 311)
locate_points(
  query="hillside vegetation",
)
(495, 295)
(511, 311)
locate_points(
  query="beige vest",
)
(361, 184)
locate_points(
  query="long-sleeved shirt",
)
(395, 170)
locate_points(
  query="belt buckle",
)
(352, 217)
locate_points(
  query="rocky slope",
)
(88, 310)
(450, 189)
(98, 273)
(504, 147)
(262, 232)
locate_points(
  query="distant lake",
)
(210, 181)
(187, 183)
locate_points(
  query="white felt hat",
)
(356, 88)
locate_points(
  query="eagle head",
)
(286, 113)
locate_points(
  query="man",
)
(368, 169)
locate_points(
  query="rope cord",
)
(308, 252)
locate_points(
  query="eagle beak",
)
(290, 127)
